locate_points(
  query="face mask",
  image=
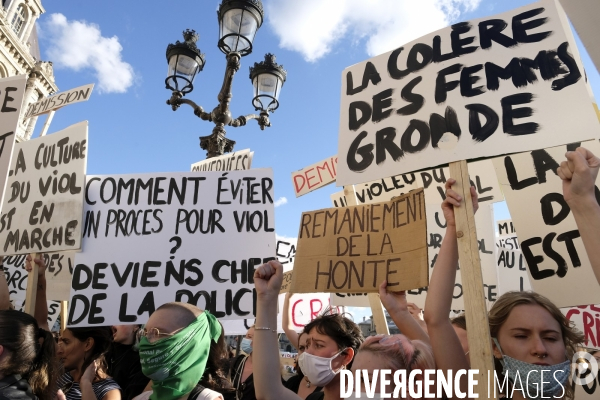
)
(246, 345)
(317, 370)
(555, 376)
(175, 363)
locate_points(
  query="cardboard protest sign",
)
(287, 282)
(476, 89)
(314, 176)
(12, 91)
(236, 161)
(557, 262)
(54, 102)
(191, 237)
(59, 267)
(353, 249)
(586, 320)
(43, 199)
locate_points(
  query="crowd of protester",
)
(181, 351)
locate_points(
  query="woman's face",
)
(532, 335)
(321, 345)
(71, 351)
(250, 333)
(124, 334)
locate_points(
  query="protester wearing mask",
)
(532, 335)
(174, 350)
(242, 369)
(123, 361)
(331, 343)
(299, 383)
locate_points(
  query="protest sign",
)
(556, 260)
(339, 199)
(505, 227)
(12, 91)
(314, 176)
(236, 161)
(476, 89)
(586, 320)
(54, 102)
(287, 282)
(59, 267)
(193, 237)
(285, 250)
(43, 199)
(349, 299)
(512, 269)
(353, 249)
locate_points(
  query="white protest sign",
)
(43, 200)
(314, 176)
(192, 237)
(505, 227)
(59, 267)
(338, 199)
(586, 320)
(556, 259)
(236, 161)
(512, 269)
(477, 89)
(54, 102)
(349, 299)
(436, 231)
(12, 91)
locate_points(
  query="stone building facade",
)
(20, 55)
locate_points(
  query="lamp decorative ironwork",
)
(239, 21)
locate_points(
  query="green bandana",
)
(176, 364)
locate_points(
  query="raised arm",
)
(579, 174)
(41, 303)
(395, 303)
(265, 349)
(447, 350)
(288, 327)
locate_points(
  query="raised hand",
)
(392, 301)
(579, 174)
(39, 260)
(453, 199)
(268, 279)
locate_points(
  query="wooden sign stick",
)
(64, 311)
(381, 326)
(32, 283)
(478, 330)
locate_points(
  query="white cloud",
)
(280, 201)
(314, 27)
(80, 45)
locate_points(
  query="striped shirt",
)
(72, 390)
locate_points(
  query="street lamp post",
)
(239, 21)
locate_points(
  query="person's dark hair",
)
(341, 329)
(215, 377)
(459, 322)
(102, 336)
(20, 336)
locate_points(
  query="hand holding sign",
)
(579, 175)
(41, 263)
(453, 199)
(268, 278)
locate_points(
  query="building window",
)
(18, 20)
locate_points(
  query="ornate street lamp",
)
(239, 21)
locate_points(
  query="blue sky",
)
(120, 46)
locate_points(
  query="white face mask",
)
(317, 370)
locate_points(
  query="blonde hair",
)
(502, 308)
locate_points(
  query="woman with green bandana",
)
(174, 349)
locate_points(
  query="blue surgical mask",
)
(246, 345)
(555, 376)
